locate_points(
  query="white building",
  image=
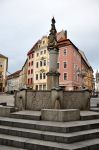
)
(13, 82)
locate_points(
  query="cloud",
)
(23, 22)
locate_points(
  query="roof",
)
(3, 56)
(14, 75)
(84, 57)
(33, 48)
(63, 41)
(60, 36)
(25, 63)
(66, 42)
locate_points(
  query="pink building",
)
(30, 70)
(69, 62)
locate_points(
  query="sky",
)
(23, 22)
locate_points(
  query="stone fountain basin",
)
(60, 115)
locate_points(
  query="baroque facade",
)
(73, 66)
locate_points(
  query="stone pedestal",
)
(60, 115)
(6, 110)
(52, 80)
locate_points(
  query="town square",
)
(49, 75)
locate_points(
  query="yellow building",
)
(87, 73)
(41, 67)
(89, 79)
(3, 71)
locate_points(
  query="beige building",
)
(87, 73)
(38, 65)
(3, 72)
(41, 66)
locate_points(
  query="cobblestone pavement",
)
(9, 99)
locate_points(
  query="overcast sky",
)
(23, 22)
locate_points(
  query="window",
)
(31, 80)
(65, 51)
(37, 54)
(43, 42)
(28, 81)
(40, 75)
(74, 66)
(36, 76)
(44, 51)
(37, 64)
(31, 71)
(41, 63)
(28, 71)
(65, 76)
(44, 75)
(36, 87)
(32, 63)
(40, 87)
(57, 65)
(41, 52)
(29, 63)
(44, 86)
(32, 55)
(1, 75)
(29, 56)
(1, 64)
(65, 65)
(44, 62)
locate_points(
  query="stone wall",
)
(37, 100)
(32, 100)
(20, 100)
(76, 99)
